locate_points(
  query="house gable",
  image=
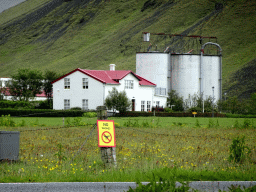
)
(108, 77)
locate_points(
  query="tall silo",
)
(154, 67)
(186, 73)
(196, 74)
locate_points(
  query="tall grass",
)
(198, 153)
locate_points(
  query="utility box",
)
(9, 145)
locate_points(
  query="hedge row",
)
(25, 104)
(16, 104)
(159, 114)
(40, 113)
(230, 115)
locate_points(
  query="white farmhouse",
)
(88, 89)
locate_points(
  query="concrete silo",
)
(154, 66)
(186, 73)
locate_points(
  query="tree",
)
(233, 104)
(175, 99)
(117, 101)
(123, 104)
(26, 84)
(49, 76)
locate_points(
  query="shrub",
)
(247, 123)
(41, 113)
(168, 110)
(16, 104)
(237, 150)
(117, 125)
(47, 104)
(76, 108)
(158, 109)
(90, 114)
(211, 123)
(197, 123)
(5, 120)
(166, 182)
(77, 121)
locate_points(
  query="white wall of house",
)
(4, 81)
(76, 93)
(161, 100)
(97, 92)
(139, 93)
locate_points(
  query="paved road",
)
(6, 4)
(210, 186)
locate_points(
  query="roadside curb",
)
(202, 186)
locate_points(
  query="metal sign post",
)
(106, 137)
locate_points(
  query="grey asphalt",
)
(6, 4)
(210, 186)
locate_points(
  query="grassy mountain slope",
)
(62, 35)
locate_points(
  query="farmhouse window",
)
(85, 83)
(148, 105)
(142, 105)
(128, 84)
(66, 104)
(160, 91)
(157, 103)
(8, 83)
(85, 104)
(66, 83)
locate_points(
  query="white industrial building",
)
(186, 73)
(88, 89)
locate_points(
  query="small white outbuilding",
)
(88, 89)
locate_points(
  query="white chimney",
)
(112, 67)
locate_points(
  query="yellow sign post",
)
(194, 113)
(106, 133)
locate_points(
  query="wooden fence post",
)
(108, 154)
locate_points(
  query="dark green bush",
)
(163, 114)
(44, 104)
(230, 115)
(40, 113)
(16, 104)
(26, 104)
(76, 108)
(168, 110)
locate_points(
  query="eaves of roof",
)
(108, 77)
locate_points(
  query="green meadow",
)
(146, 122)
(192, 151)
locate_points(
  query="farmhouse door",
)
(133, 104)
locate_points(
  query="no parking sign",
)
(106, 133)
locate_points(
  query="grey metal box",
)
(9, 145)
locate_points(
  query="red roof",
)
(108, 77)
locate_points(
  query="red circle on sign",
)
(106, 137)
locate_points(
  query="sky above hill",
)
(6, 4)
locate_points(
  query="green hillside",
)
(62, 35)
